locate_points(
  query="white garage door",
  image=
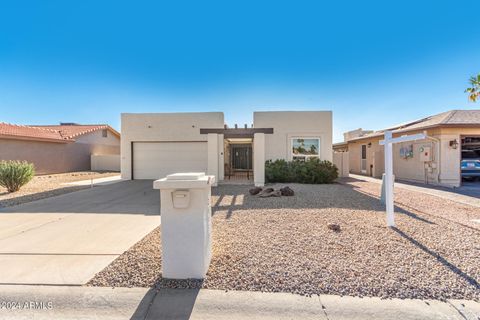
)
(154, 160)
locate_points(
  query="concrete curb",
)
(95, 182)
(53, 302)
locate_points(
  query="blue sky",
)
(374, 63)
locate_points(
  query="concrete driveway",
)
(470, 188)
(68, 238)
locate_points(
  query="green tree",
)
(474, 90)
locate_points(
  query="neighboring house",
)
(340, 147)
(343, 146)
(356, 133)
(435, 160)
(157, 144)
(340, 151)
(61, 148)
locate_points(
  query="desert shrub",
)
(312, 171)
(277, 171)
(15, 174)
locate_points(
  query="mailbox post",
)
(185, 224)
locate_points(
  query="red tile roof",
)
(55, 133)
(30, 133)
(75, 130)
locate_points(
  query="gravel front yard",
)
(45, 186)
(283, 244)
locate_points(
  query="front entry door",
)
(241, 157)
(363, 165)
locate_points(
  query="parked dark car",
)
(470, 164)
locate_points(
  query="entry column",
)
(259, 159)
(212, 156)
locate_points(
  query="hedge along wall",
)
(313, 171)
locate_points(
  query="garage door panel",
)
(154, 160)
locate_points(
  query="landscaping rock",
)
(274, 193)
(255, 191)
(266, 191)
(287, 191)
(334, 227)
(284, 245)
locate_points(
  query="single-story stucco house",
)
(157, 144)
(435, 160)
(61, 148)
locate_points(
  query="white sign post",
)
(388, 143)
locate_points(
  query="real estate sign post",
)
(382, 194)
(389, 177)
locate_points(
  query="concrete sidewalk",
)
(142, 303)
(442, 192)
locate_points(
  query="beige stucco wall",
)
(259, 158)
(411, 169)
(373, 161)
(105, 162)
(444, 167)
(450, 173)
(164, 127)
(96, 138)
(291, 124)
(341, 161)
(52, 157)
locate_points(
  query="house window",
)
(104, 133)
(305, 148)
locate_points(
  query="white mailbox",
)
(185, 224)
(181, 199)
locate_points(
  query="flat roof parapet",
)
(237, 132)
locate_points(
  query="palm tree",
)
(474, 91)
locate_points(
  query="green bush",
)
(15, 174)
(312, 171)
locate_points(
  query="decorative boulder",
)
(287, 191)
(334, 227)
(273, 193)
(255, 191)
(265, 191)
